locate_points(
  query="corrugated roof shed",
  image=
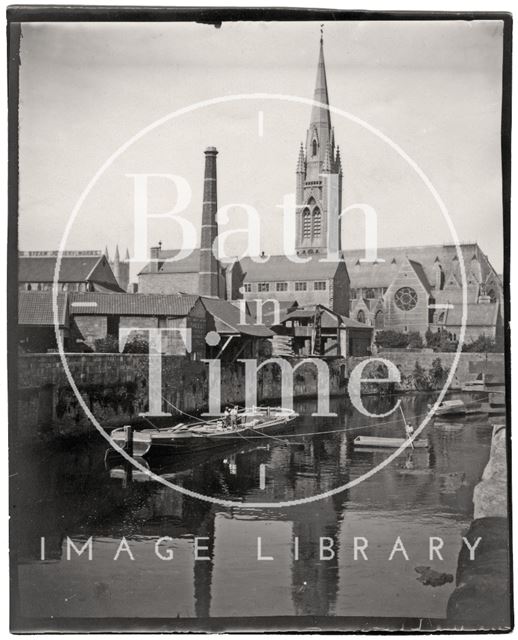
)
(228, 318)
(35, 309)
(328, 319)
(131, 304)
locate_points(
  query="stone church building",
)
(406, 289)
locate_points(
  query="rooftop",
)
(35, 308)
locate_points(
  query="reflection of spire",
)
(315, 582)
(203, 569)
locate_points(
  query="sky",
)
(433, 88)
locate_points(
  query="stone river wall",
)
(115, 386)
(483, 585)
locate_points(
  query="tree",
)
(439, 341)
(137, 345)
(392, 339)
(437, 374)
(420, 378)
(415, 340)
(483, 344)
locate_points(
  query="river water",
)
(69, 493)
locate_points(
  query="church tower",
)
(319, 175)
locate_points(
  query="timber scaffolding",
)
(318, 331)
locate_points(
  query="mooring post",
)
(128, 437)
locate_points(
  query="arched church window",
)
(314, 148)
(317, 222)
(306, 223)
(360, 316)
(369, 294)
(379, 320)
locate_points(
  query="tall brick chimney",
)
(209, 277)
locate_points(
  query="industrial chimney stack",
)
(209, 269)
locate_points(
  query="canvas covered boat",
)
(253, 423)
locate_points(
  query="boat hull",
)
(189, 443)
(388, 443)
(206, 436)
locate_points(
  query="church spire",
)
(320, 116)
(317, 188)
(319, 132)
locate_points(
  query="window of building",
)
(379, 320)
(314, 149)
(354, 293)
(369, 294)
(320, 285)
(263, 287)
(282, 286)
(301, 286)
(306, 223)
(317, 222)
(405, 298)
(360, 316)
(28, 286)
(248, 287)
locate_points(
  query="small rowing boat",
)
(254, 423)
(379, 442)
(450, 408)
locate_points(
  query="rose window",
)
(405, 298)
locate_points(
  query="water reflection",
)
(74, 492)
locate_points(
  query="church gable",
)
(407, 299)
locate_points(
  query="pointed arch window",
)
(317, 222)
(306, 224)
(314, 148)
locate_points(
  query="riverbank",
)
(115, 386)
(483, 585)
